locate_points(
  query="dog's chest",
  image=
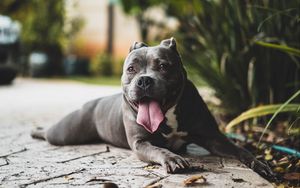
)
(174, 138)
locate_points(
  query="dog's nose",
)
(144, 82)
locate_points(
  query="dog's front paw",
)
(174, 163)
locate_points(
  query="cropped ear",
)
(137, 45)
(171, 43)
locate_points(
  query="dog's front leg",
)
(145, 145)
(150, 153)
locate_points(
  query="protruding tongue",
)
(149, 115)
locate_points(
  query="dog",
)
(157, 115)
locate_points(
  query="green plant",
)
(222, 43)
(284, 48)
(261, 111)
(43, 27)
(138, 8)
(118, 67)
(266, 110)
(102, 64)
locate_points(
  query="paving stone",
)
(25, 162)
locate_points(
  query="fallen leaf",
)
(284, 159)
(267, 151)
(151, 167)
(155, 185)
(278, 169)
(193, 179)
(283, 163)
(280, 186)
(298, 163)
(261, 146)
(271, 137)
(268, 157)
(274, 162)
(68, 178)
(289, 166)
(292, 176)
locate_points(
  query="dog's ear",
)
(137, 45)
(171, 43)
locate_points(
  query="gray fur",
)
(112, 119)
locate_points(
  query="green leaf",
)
(261, 111)
(280, 109)
(280, 47)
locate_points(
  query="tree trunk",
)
(110, 31)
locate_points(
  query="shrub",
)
(219, 43)
(102, 64)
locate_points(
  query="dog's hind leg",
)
(76, 128)
(38, 133)
(72, 130)
(219, 145)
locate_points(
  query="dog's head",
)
(153, 79)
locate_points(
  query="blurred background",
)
(246, 52)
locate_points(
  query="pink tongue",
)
(149, 115)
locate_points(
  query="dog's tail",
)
(38, 133)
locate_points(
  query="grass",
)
(98, 80)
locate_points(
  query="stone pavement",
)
(25, 162)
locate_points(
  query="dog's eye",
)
(163, 67)
(130, 69)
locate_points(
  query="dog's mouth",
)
(149, 113)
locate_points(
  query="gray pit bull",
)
(158, 113)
